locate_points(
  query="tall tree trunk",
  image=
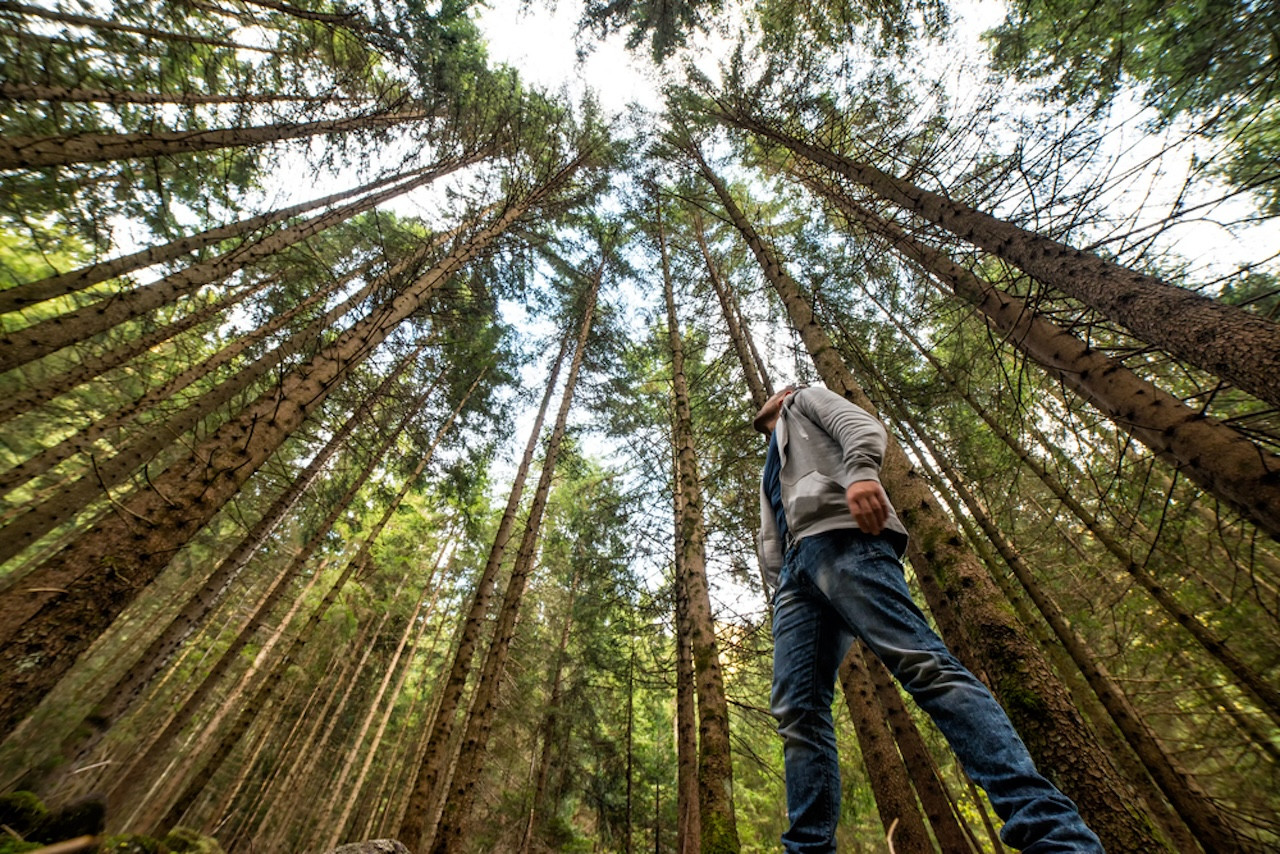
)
(719, 829)
(1036, 701)
(895, 799)
(34, 152)
(69, 94)
(688, 825)
(83, 440)
(455, 820)
(116, 26)
(129, 785)
(362, 560)
(48, 336)
(1222, 339)
(1255, 683)
(132, 683)
(936, 801)
(91, 366)
(743, 343)
(43, 516)
(1217, 457)
(419, 823)
(358, 746)
(551, 721)
(1203, 816)
(142, 537)
(72, 281)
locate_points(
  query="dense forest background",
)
(376, 450)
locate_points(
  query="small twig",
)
(94, 765)
(80, 843)
(893, 825)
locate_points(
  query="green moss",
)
(1018, 699)
(188, 841)
(128, 843)
(21, 811)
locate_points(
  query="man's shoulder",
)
(819, 396)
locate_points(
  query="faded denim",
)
(841, 582)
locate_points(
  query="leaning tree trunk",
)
(1222, 339)
(33, 152)
(551, 720)
(83, 440)
(124, 553)
(48, 336)
(72, 94)
(1036, 701)
(420, 820)
(743, 344)
(1208, 823)
(900, 814)
(1254, 683)
(72, 281)
(362, 561)
(116, 26)
(455, 821)
(719, 829)
(1218, 458)
(129, 785)
(129, 687)
(68, 500)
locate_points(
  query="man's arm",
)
(862, 439)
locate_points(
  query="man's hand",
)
(868, 505)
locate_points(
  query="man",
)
(831, 547)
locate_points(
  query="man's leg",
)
(861, 578)
(809, 641)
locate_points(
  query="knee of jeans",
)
(917, 668)
(799, 722)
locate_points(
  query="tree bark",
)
(362, 561)
(34, 152)
(1248, 677)
(1037, 703)
(1218, 458)
(1205, 819)
(895, 799)
(743, 344)
(719, 830)
(129, 785)
(48, 336)
(418, 826)
(455, 821)
(130, 686)
(72, 281)
(1221, 339)
(70, 94)
(42, 517)
(83, 440)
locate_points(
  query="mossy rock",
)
(129, 843)
(9, 845)
(184, 840)
(21, 811)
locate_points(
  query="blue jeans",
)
(841, 583)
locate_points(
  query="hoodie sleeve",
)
(768, 546)
(860, 435)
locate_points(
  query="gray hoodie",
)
(825, 443)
